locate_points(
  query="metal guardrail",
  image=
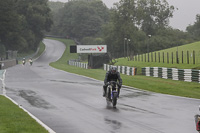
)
(78, 64)
(7, 63)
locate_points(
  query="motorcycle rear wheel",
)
(114, 100)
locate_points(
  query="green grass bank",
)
(165, 86)
(14, 120)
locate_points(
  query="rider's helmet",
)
(113, 70)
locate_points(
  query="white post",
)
(174, 74)
(164, 73)
(123, 69)
(128, 71)
(188, 75)
(155, 72)
(147, 71)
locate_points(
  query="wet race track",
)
(69, 103)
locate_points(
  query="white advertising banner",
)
(91, 48)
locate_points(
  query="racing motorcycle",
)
(112, 93)
(23, 61)
(31, 61)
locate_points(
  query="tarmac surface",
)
(70, 103)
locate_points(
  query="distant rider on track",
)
(31, 61)
(24, 61)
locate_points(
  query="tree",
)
(195, 28)
(37, 19)
(135, 20)
(2, 50)
(22, 23)
(9, 22)
(153, 15)
(79, 19)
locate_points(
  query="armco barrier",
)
(78, 64)
(188, 75)
(122, 69)
(2, 84)
(1, 74)
(7, 63)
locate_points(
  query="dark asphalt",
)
(69, 103)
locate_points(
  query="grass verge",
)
(14, 120)
(165, 86)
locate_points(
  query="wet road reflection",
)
(79, 82)
(34, 99)
(116, 125)
(135, 94)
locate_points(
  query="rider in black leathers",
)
(112, 75)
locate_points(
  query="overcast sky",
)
(185, 15)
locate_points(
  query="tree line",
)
(22, 24)
(143, 26)
(136, 26)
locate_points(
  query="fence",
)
(189, 75)
(78, 64)
(122, 69)
(179, 57)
